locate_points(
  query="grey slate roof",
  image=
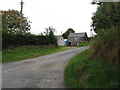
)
(76, 35)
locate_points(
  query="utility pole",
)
(21, 15)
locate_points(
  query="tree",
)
(50, 34)
(106, 16)
(48, 30)
(11, 22)
(65, 35)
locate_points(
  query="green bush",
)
(106, 45)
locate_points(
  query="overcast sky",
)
(61, 14)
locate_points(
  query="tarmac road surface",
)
(40, 72)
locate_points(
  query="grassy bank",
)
(25, 52)
(106, 45)
(84, 72)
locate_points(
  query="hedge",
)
(27, 39)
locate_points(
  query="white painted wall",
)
(60, 41)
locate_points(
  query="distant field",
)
(25, 52)
(85, 72)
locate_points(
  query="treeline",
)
(106, 23)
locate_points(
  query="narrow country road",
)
(40, 72)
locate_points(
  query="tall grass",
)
(106, 45)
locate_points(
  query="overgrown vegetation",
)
(106, 23)
(85, 72)
(106, 45)
(25, 52)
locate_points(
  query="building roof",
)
(76, 34)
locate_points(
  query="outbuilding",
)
(60, 40)
(74, 39)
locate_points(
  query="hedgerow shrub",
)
(9, 39)
(106, 45)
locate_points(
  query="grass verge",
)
(25, 52)
(84, 44)
(84, 72)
